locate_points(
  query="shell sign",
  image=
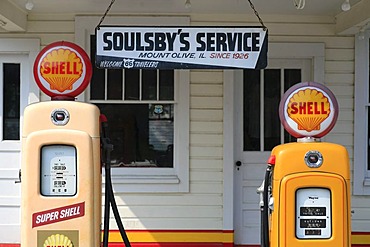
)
(58, 240)
(62, 69)
(308, 109)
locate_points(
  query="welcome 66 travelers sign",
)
(119, 47)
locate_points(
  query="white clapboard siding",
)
(10, 195)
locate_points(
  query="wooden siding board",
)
(207, 140)
(342, 90)
(206, 127)
(203, 188)
(340, 67)
(209, 77)
(171, 223)
(344, 79)
(215, 152)
(330, 42)
(206, 102)
(339, 55)
(171, 211)
(175, 200)
(343, 127)
(210, 115)
(206, 90)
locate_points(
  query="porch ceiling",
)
(331, 8)
(267, 7)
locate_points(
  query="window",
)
(361, 173)
(148, 102)
(11, 100)
(139, 104)
(262, 91)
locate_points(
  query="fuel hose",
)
(110, 200)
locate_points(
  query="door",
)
(13, 98)
(257, 131)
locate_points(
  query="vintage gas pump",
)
(305, 196)
(61, 157)
(61, 182)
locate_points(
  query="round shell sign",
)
(62, 69)
(308, 109)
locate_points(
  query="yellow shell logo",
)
(58, 240)
(308, 108)
(61, 68)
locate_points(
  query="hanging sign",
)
(308, 109)
(119, 47)
(62, 69)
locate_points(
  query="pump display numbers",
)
(312, 223)
(313, 213)
(58, 170)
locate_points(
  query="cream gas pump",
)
(305, 196)
(61, 167)
(61, 157)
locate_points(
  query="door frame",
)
(26, 50)
(314, 51)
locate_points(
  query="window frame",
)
(23, 52)
(146, 180)
(361, 175)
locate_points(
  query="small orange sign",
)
(62, 69)
(308, 109)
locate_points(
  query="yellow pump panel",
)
(311, 204)
(61, 175)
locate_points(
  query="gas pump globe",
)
(305, 196)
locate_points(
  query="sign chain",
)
(256, 13)
(250, 3)
(105, 14)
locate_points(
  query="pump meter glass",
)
(313, 213)
(58, 170)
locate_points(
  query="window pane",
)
(11, 101)
(114, 86)
(271, 108)
(132, 78)
(166, 84)
(97, 84)
(251, 110)
(142, 134)
(149, 82)
(291, 77)
(368, 139)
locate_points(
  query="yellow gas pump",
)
(61, 166)
(305, 197)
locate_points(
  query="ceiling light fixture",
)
(346, 5)
(299, 4)
(187, 4)
(29, 5)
